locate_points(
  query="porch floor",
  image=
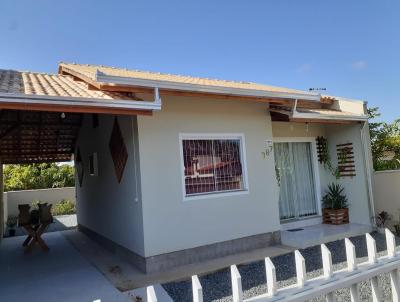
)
(61, 274)
(322, 233)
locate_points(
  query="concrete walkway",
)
(62, 274)
(126, 277)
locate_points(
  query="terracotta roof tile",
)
(32, 83)
(90, 71)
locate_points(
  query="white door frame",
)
(314, 159)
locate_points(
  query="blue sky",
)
(350, 47)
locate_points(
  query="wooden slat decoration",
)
(345, 157)
(118, 150)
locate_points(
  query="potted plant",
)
(335, 204)
(396, 226)
(11, 224)
(381, 219)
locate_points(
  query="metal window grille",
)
(212, 165)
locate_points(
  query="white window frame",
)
(314, 158)
(212, 136)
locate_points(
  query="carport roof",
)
(48, 92)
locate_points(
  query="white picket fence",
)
(325, 285)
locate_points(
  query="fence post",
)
(391, 243)
(300, 268)
(237, 292)
(354, 295)
(371, 247)
(326, 261)
(372, 258)
(151, 294)
(270, 276)
(330, 297)
(197, 289)
(394, 282)
(350, 255)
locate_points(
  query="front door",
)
(294, 169)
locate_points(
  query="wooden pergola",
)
(37, 136)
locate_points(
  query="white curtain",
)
(296, 180)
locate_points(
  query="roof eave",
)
(74, 102)
(129, 81)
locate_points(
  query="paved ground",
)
(62, 274)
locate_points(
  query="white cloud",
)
(359, 65)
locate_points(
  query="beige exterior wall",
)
(355, 187)
(172, 224)
(387, 193)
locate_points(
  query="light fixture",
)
(63, 115)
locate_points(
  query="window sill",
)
(215, 195)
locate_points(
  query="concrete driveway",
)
(62, 274)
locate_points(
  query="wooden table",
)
(35, 236)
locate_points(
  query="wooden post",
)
(197, 289)
(236, 279)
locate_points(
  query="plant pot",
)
(11, 232)
(337, 216)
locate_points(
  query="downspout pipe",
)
(365, 142)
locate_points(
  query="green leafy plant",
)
(382, 218)
(335, 198)
(12, 221)
(38, 176)
(325, 157)
(65, 207)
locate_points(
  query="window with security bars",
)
(212, 165)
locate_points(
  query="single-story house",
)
(175, 169)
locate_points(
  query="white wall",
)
(52, 196)
(105, 206)
(355, 187)
(171, 224)
(387, 193)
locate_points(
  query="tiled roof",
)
(325, 112)
(31, 83)
(89, 71)
(320, 113)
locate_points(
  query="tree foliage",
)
(385, 137)
(37, 176)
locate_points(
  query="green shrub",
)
(65, 207)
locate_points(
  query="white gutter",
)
(116, 80)
(76, 102)
(367, 169)
(301, 115)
